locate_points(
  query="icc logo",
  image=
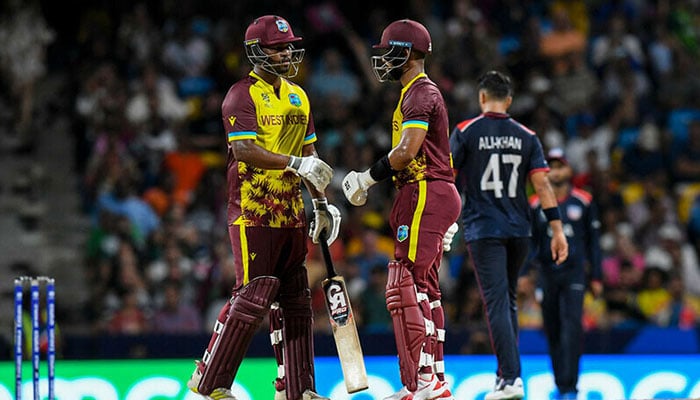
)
(336, 299)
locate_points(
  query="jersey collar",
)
(260, 79)
(415, 78)
(497, 115)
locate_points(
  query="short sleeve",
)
(238, 114)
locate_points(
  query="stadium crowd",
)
(616, 84)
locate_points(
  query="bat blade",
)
(347, 340)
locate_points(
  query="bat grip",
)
(330, 270)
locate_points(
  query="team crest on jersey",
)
(402, 233)
(294, 100)
(282, 25)
(574, 212)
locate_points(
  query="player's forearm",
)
(252, 154)
(548, 201)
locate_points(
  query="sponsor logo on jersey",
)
(402, 233)
(294, 100)
(231, 120)
(282, 25)
(252, 256)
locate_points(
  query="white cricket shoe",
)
(428, 389)
(402, 394)
(216, 394)
(311, 395)
(506, 391)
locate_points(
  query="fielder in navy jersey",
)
(494, 156)
(563, 285)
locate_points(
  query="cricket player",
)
(426, 205)
(495, 156)
(563, 285)
(270, 130)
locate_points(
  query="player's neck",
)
(272, 79)
(561, 191)
(498, 107)
(413, 70)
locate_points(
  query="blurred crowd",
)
(616, 84)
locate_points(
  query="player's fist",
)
(312, 169)
(355, 185)
(326, 217)
(449, 235)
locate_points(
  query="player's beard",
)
(282, 68)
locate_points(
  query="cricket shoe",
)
(507, 390)
(280, 390)
(428, 389)
(446, 395)
(216, 394)
(311, 395)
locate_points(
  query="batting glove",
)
(355, 185)
(449, 235)
(326, 217)
(312, 169)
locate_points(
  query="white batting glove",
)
(326, 217)
(449, 235)
(355, 185)
(312, 169)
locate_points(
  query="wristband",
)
(381, 169)
(294, 163)
(552, 213)
(320, 204)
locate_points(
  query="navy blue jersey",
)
(494, 155)
(579, 218)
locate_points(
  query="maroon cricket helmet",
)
(270, 30)
(406, 33)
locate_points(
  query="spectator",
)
(333, 78)
(372, 306)
(674, 255)
(129, 319)
(174, 315)
(562, 43)
(25, 36)
(653, 297)
(683, 309)
(686, 164)
(529, 310)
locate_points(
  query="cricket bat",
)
(342, 320)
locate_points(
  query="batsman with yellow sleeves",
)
(271, 135)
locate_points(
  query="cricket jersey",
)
(579, 218)
(494, 155)
(421, 106)
(279, 122)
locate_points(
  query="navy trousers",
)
(497, 263)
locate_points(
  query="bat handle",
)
(326, 254)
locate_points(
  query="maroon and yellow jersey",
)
(421, 106)
(281, 124)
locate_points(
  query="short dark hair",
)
(496, 84)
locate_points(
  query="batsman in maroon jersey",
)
(270, 134)
(426, 205)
